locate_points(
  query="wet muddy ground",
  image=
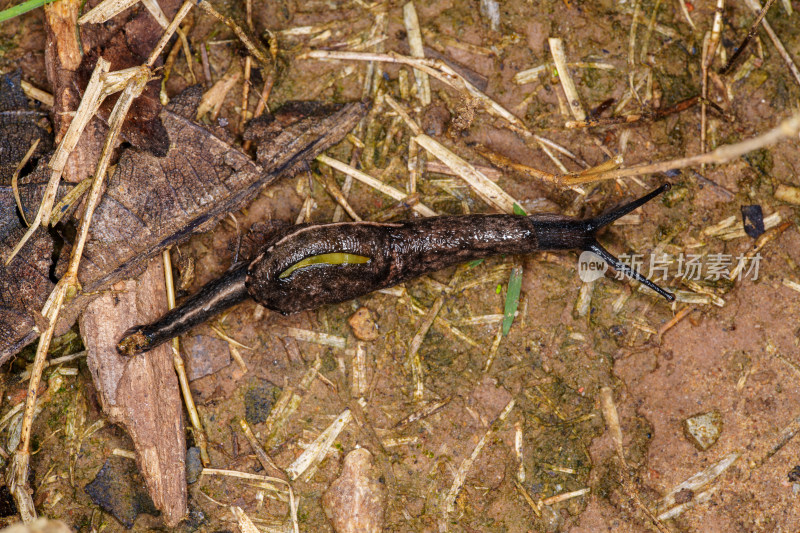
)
(550, 463)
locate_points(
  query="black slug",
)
(309, 266)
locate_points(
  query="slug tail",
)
(618, 265)
(605, 219)
(210, 300)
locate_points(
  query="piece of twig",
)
(15, 178)
(180, 369)
(250, 42)
(756, 7)
(560, 60)
(262, 456)
(37, 94)
(245, 92)
(374, 183)
(327, 181)
(787, 129)
(762, 241)
(680, 315)
(746, 41)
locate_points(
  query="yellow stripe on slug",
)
(336, 258)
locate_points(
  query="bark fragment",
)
(140, 393)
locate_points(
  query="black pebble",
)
(753, 220)
(119, 490)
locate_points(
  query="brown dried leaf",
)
(20, 126)
(152, 202)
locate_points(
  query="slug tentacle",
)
(604, 219)
(618, 265)
(305, 267)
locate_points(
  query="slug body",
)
(305, 267)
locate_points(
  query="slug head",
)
(134, 341)
(592, 225)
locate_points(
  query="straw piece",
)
(699, 480)
(415, 44)
(213, 98)
(565, 496)
(788, 194)
(37, 94)
(685, 11)
(15, 177)
(489, 191)
(531, 74)
(245, 524)
(106, 10)
(374, 183)
(560, 60)
(791, 284)
(317, 337)
(317, 450)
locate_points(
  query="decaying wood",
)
(140, 393)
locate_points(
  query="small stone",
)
(258, 402)
(195, 520)
(119, 490)
(684, 496)
(364, 326)
(435, 119)
(205, 355)
(193, 465)
(703, 429)
(356, 502)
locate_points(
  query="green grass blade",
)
(22, 8)
(512, 298)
